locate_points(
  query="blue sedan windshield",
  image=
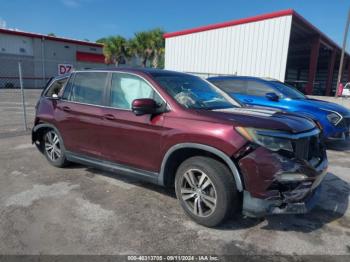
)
(288, 91)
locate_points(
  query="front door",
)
(129, 139)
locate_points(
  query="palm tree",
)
(141, 46)
(149, 45)
(157, 46)
(115, 49)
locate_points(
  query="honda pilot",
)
(178, 130)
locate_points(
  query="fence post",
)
(22, 92)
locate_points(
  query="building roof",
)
(297, 17)
(47, 37)
(230, 23)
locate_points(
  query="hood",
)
(263, 108)
(263, 119)
(320, 104)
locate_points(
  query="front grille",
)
(345, 122)
(308, 148)
(302, 148)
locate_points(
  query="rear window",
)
(88, 88)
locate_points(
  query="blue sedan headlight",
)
(334, 118)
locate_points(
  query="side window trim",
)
(68, 85)
(107, 95)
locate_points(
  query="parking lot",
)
(80, 210)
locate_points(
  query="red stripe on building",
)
(90, 57)
(231, 23)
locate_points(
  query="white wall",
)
(16, 45)
(252, 49)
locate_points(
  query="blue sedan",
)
(254, 91)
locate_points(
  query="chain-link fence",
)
(17, 106)
(13, 107)
(31, 76)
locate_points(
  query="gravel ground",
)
(80, 210)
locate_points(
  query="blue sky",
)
(92, 19)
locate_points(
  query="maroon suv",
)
(175, 129)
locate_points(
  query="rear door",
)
(79, 112)
(129, 139)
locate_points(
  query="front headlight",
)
(334, 118)
(268, 141)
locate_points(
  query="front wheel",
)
(53, 149)
(206, 190)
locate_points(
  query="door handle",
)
(66, 108)
(109, 117)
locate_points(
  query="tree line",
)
(147, 46)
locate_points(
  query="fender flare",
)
(47, 125)
(232, 166)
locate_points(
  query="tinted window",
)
(255, 88)
(232, 86)
(193, 92)
(88, 87)
(68, 88)
(288, 91)
(126, 88)
(56, 87)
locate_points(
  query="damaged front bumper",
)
(297, 201)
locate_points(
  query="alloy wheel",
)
(52, 146)
(198, 192)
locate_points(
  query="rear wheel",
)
(206, 190)
(53, 149)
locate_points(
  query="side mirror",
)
(55, 96)
(272, 96)
(144, 106)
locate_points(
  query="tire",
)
(210, 199)
(53, 148)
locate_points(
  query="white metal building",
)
(280, 45)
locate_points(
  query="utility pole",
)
(342, 53)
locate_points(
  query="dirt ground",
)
(80, 210)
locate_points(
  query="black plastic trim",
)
(114, 167)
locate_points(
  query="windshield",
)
(288, 91)
(193, 92)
